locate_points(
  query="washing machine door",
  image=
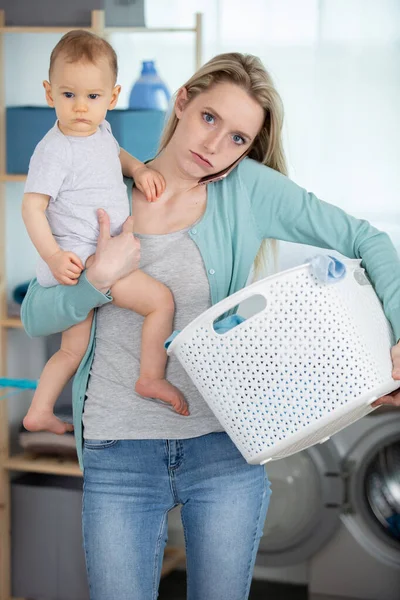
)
(304, 511)
(372, 512)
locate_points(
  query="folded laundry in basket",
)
(326, 268)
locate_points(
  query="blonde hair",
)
(248, 72)
(78, 44)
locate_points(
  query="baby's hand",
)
(65, 266)
(151, 183)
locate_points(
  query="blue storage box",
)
(25, 127)
(137, 131)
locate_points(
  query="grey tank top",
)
(112, 408)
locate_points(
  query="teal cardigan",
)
(253, 203)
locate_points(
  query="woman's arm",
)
(49, 310)
(282, 210)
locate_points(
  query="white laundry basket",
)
(309, 364)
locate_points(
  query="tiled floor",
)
(173, 587)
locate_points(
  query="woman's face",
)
(214, 129)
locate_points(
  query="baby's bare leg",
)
(153, 300)
(56, 374)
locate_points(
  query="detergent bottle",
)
(149, 91)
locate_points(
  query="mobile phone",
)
(222, 174)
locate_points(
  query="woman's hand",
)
(393, 398)
(116, 257)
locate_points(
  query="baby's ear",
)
(114, 97)
(49, 95)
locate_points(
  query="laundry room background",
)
(336, 66)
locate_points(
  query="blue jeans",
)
(129, 487)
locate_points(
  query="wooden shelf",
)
(107, 30)
(6, 177)
(22, 29)
(11, 322)
(43, 464)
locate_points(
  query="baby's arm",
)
(65, 266)
(151, 183)
(130, 165)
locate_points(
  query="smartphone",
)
(222, 174)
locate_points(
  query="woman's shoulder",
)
(259, 182)
(251, 172)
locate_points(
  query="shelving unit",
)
(11, 178)
(25, 462)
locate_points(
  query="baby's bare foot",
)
(163, 390)
(36, 420)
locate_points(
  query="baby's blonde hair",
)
(248, 72)
(78, 44)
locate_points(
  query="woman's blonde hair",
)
(248, 72)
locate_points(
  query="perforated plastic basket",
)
(309, 364)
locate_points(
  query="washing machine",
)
(362, 558)
(334, 517)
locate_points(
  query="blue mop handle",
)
(22, 384)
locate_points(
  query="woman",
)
(139, 458)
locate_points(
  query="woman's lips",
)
(203, 162)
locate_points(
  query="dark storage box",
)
(47, 554)
(76, 13)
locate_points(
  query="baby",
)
(76, 169)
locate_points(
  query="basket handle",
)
(206, 319)
(256, 289)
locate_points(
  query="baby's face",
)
(81, 94)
